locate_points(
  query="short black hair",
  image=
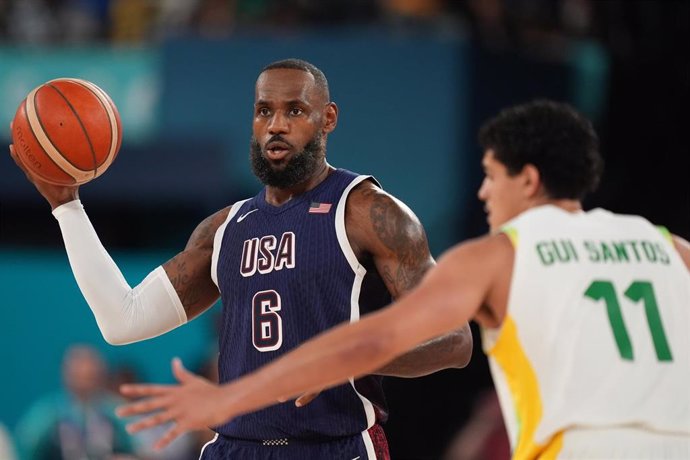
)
(299, 64)
(560, 142)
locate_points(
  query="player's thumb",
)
(179, 371)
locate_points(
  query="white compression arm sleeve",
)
(124, 314)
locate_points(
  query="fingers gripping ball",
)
(67, 131)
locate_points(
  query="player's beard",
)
(298, 168)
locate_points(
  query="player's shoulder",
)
(494, 248)
(360, 199)
(369, 201)
(547, 217)
(220, 216)
(366, 189)
(204, 233)
(606, 215)
(368, 192)
(378, 223)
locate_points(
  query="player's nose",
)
(483, 192)
(278, 124)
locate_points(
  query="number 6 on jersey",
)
(267, 325)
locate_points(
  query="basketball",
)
(67, 131)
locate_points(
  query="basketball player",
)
(585, 315)
(317, 246)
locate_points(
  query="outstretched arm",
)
(469, 280)
(386, 234)
(384, 230)
(165, 299)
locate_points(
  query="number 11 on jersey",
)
(637, 291)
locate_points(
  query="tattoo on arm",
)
(190, 271)
(203, 234)
(402, 257)
(190, 293)
(400, 233)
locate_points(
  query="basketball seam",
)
(83, 128)
(48, 156)
(49, 148)
(105, 101)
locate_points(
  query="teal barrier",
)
(131, 76)
(403, 110)
(403, 107)
(43, 312)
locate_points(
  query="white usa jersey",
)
(595, 337)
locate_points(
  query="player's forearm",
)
(123, 314)
(350, 350)
(328, 360)
(452, 350)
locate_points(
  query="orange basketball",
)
(67, 131)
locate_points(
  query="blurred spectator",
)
(542, 26)
(132, 20)
(78, 422)
(576, 17)
(414, 8)
(215, 18)
(4, 12)
(57, 21)
(6, 446)
(183, 448)
(173, 18)
(330, 12)
(431, 17)
(488, 23)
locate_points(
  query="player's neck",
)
(565, 204)
(279, 196)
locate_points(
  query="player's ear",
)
(331, 117)
(531, 180)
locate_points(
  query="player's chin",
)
(278, 166)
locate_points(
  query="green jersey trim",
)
(665, 233)
(512, 234)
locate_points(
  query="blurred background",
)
(414, 80)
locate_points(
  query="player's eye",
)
(296, 111)
(264, 112)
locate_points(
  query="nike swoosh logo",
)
(241, 218)
(356, 458)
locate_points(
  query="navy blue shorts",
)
(370, 445)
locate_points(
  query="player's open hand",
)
(190, 405)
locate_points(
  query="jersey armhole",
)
(340, 230)
(512, 234)
(218, 240)
(665, 233)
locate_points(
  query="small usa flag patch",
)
(319, 208)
